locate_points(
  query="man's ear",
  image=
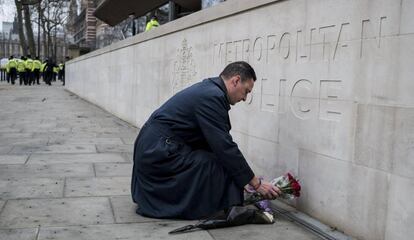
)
(236, 80)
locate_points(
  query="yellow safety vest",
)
(151, 24)
(36, 64)
(21, 66)
(29, 64)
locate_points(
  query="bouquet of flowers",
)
(288, 184)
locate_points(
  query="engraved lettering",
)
(380, 31)
(300, 45)
(237, 47)
(270, 46)
(324, 42)
(363, 28)
(282, 96)
(299, 106)
(258, 41)
(338, 39)
(287, 36)
(245, 51)
(229, 46)
(310, 42)
(267, 99)
(328, 100)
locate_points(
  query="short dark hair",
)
(239, 68)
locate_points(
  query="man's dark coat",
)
(186, 164)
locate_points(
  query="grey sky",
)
(7, 11)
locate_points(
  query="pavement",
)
(65, 169)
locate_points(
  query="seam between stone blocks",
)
(112, 209)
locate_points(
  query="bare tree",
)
(20, 26)
(53, 15)
(29, 30)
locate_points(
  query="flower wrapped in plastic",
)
(288, 185)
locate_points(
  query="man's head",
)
(239, 79)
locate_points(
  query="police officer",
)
(29, 65)
(36, 70)
(21, 69)
(11, 69)
(152, 23)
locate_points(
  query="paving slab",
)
(5, 149)
(18, 234)
(124, 211)
(64, 135)
(56, 212)
(131, 231)
(46, 170)
(13, 159)
(129, 157)
(86, 141)
(51, 158)
(67, 148)
(113, 169)
(2, 204)
(24, 141)
(16, 135)
(128, 148)
(100, 186)
(129, 140)
(118, 134)
(10, 130)
(15, 188)
(280, 230)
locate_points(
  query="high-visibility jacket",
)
(60, 66)
(11, 64)
(21, 66)
(29, 64)
(151, 24)
(36, 65)
(42, 68)
(55, 69)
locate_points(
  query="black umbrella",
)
(234, 216)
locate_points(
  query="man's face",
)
(240, 89)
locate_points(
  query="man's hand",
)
(266, 189)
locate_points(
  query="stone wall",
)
(333, 103)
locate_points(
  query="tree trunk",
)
(20, 26)
(29, 30)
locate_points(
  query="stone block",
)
(52, 158)
(375, 136)
(13, 159)
(56, 212)
(101, 186)
(407, 25)
(356, 194)
(121, 231)
(400, 209)
(113, 169)
(26, 187)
